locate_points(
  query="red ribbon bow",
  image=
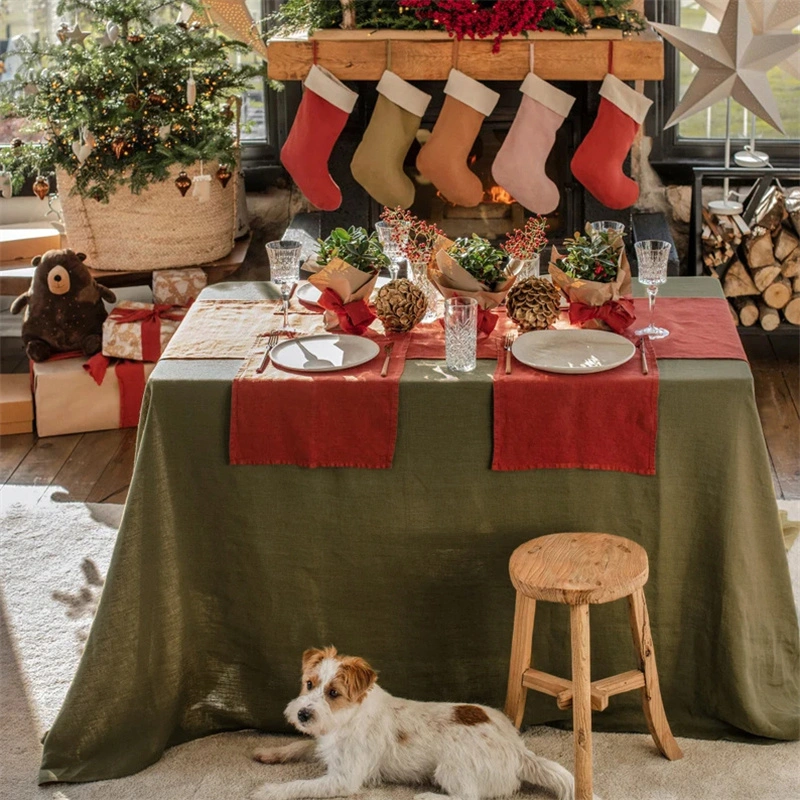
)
(617, 314)
(150, 318)
(131, 380)
(354, 317)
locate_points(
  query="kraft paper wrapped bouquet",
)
(350, 261)
(473, 268)
(595, 277)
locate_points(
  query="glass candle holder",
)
(606, 225)
(528, 267)
(460, 333)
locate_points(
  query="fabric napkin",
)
(606, 420)
(335, 419)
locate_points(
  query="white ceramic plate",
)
(325, 352)
(573, 351)
(309, 294)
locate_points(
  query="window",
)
(700, 139)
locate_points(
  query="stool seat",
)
(578, 568)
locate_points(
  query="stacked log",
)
(759, 263)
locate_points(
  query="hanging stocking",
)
(320, 119)
(598, 161)
(519, 166)
(443, 158)
(378, 162)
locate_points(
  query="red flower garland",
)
(462, 18)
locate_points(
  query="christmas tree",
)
(125, 94)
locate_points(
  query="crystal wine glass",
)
(652, 256)
(392, 249)
(284, 270)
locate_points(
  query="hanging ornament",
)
(184, 16)
(62, 34)
(135, 38)
(156, 99)
(163, 132)
(191, 89)
(89, 138)
(118, 145)
(224, 175)
(41, 187)
(132, 102)
(201, 187)
(77, 36)
(6, 186)
(183, 182)
(112, 31)
(81, 148)
(17, 142)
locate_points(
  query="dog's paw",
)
(270, 755)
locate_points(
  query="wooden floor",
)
(96, 467)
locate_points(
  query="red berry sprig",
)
(527, 242)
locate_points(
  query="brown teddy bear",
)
(65, 308)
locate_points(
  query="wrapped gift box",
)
(68, 399)
(140, 331)
(178, 287)
(16, 404)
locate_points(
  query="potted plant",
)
(131, 111)
(350, 260)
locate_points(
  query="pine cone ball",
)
(400, 305)
(533, 304)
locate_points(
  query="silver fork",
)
(508, 341)
(271, 342)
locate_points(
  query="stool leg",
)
(521, 646)
(651, 692)
(581, 700)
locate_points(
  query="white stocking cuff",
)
(628, 100)
(547, 94)
(403, 94)
(470, 92)
(330, 88)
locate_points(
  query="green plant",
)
(358, 248)
(593, 257)
(124, 98)
(483, 261)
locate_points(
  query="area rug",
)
(53, 557)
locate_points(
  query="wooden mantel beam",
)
(362, 55)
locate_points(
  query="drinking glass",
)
(419, 276)
(392, 249)
(652, 256)
(606, 225)
(284, 271)
(460, 333)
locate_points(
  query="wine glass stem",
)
(285, 312)
(652, 291)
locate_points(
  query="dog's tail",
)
(549, 775)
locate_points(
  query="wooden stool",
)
(579, 569)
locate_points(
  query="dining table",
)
(223, 574)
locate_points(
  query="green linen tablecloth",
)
(223, 575)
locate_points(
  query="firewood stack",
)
(759, 264)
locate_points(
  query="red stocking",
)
(598, 161)
(322, 115)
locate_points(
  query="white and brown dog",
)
(364, 736)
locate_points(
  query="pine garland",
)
(129, 99)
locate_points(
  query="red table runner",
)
(606, 420)
(338, 419)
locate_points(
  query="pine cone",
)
(400, 305)
(533, 304)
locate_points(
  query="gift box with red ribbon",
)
(75, 395)
(140, 331)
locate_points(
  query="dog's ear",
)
(357, 676)
(314, 655)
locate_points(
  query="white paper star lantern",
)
(732, 63)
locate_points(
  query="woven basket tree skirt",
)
(156, 229)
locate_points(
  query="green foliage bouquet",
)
(125, 104)
(358, 248)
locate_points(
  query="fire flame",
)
(499, 195)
